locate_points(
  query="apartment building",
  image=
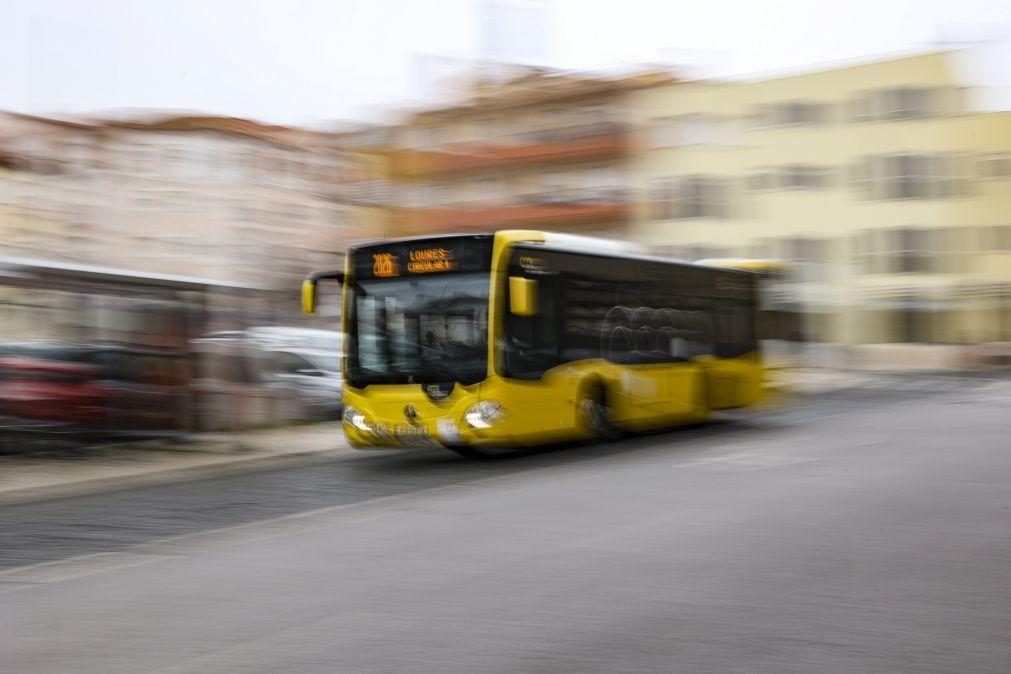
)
(364, 188)
(528, 148)
(883, 183)
(220, 198)
(236, 202)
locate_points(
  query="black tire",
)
(595, 413)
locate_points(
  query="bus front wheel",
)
(595, 414)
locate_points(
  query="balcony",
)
(563, 216)
(600, 143)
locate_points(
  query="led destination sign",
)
(429, 260)
(423, 257)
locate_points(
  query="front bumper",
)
(438, 432)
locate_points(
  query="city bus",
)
(520, 338)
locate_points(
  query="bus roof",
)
(746, 264)
(574, 242)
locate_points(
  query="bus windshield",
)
(423, 329)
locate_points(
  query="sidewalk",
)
(41, 476)
(35, 477)
(813, 381)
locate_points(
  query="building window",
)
(762, 179)
(907, 176)
(998, 238)
(873, 251)
(913, 323)
(789, 113)
(797, 113)
(861, 107)
(701, 197)
(802, 177)
(861, 177)
(663, 198)
(907, 102)
(994, 166)
(913, 251)
(808, 255)
(894, 103)
(790, 177)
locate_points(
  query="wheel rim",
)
(596, 416)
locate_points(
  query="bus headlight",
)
(357, 419)
(484, 414)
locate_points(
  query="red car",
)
(51, 392)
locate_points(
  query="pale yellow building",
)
(884, 184)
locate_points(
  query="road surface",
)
(866, 531)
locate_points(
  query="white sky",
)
(300, 61)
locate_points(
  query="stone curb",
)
(241, 463)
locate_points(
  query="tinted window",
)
(419, 329)
(626, 311)
(532, 342)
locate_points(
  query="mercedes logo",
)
(410, 413)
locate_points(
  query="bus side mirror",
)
(309, 287)
(522, 296)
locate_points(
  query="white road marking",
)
(75, 567)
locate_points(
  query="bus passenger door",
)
(529, 353)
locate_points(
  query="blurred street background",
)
(168, 175)
(149, 259)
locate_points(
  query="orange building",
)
(540, 149)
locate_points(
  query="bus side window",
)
(735, 333)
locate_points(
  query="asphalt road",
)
(867, 531)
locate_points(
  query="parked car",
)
(300, 339)
(106, 388)
(58, 395)
(313, 376)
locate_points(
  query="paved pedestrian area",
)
(49, 474)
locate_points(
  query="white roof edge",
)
(593, 243)
(17, 264)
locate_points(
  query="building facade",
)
(889, 193)
(219, 198)
(228, 200)
(533, 149)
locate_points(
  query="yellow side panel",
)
(642, 397)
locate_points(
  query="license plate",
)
(412, 434)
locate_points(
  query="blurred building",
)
(523, 148)
(363, 188)
(883, 182)
(220, 198)
(123, 242)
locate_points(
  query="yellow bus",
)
(520, 338)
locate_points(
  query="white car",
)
(313, 376)
(300, 339)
